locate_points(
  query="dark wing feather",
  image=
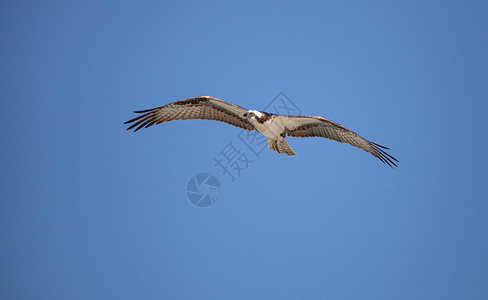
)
(305, 126)
(204, 107)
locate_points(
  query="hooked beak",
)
(246, 115)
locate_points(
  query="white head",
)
(253, 114)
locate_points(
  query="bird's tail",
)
(281, 146)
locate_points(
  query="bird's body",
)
(274, 127)
(267, 124)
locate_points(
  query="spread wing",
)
(203, 107)
(305, 126)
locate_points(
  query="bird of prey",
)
(274, 127)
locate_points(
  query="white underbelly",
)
(272, 128)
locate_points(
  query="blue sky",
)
(91, 211)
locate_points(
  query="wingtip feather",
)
(382, 155)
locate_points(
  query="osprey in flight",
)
(274, 127)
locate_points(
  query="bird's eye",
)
(252, 114)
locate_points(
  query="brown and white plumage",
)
(203, 107)
(273, 126)
(310, 126)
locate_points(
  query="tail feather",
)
(272, 145)
(281, 146)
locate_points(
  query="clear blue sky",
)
(91, 211)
